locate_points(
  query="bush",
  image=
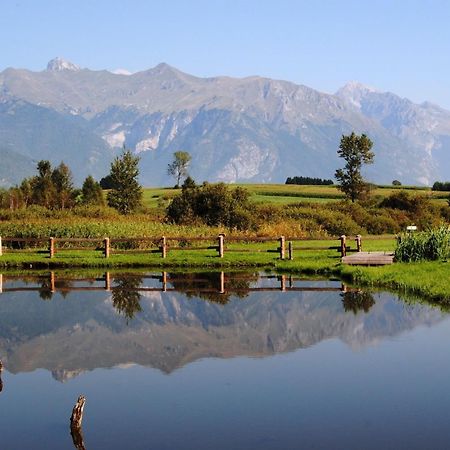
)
(381, 224)
(429, 245)
(405, 201)
(212, 204)
(335, 223)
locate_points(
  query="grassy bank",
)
(426, 279)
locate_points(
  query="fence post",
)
(164, 281)
(358, 243)
(283, 282)
(51, 247)
(291, 251)
(1, 248)
(107, 281)
(222, 282)
(52, 282)
(343, 245)
(163, 247)
(106, 249)
(282, 247)
(220, 249)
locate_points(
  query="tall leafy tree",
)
(126, 196)
(63, 185)
(43, 188)
(356, 151)
(178, 168)
(26, 187)
(92, 192)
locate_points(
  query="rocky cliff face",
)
(249, 129)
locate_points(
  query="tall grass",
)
(429, 245)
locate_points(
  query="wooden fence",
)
(164, 282)
(164, 244)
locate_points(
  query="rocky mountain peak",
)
(356, 87)
(59, 64)
(354, 91)
(168, 72)
(250, 129)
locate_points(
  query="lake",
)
(219, 361)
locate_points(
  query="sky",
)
(402, 46)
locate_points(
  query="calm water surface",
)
(220, 361)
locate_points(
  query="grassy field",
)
(281, 194)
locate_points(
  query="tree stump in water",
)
(75, 423)
(77, 413)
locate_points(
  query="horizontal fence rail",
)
(164, 282)
(162, 244)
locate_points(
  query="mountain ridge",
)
(251, 129)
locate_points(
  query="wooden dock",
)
(369, 259)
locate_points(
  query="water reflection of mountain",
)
(84, 331)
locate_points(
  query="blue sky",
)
(398, 46)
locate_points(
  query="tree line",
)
(53, 188)
(308, 181)
(441, 186)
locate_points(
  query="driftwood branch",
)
(76, 420)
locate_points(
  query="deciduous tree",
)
(63, 186)
(178, 168)
(356, 151)
(92, 192)
(126, 196)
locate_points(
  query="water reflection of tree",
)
(45, 293)
(125, 296)
(47, 290)
(357, 300)
(207, 285)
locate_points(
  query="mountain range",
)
(171, 330)
(250, 129)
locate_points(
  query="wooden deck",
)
(369, 259)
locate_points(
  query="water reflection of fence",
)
(53, 283)
(163, 245)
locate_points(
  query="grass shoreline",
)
(425, 279)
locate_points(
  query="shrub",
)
(335, 223)
(212, 204)
(405, 201)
